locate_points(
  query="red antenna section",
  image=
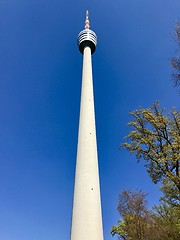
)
(87, 23)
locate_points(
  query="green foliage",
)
(167, 218)
(155, 137)
(139, 223)
(120, 230)
(132, 207)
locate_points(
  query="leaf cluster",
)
(139, 223)
(155, 137)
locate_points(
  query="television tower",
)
(86, 214)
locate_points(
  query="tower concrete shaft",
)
(86, 216)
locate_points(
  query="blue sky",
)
(40, 81)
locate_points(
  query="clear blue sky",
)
(40, 81)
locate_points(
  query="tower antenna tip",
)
(87, 23)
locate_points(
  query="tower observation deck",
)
(86, 213)
(87, 37)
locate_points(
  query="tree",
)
(167, 218)
(156, 138)
(175, 61)
(139, 223)
(132, 207)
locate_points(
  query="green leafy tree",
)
(155, 137)
(139, 223)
